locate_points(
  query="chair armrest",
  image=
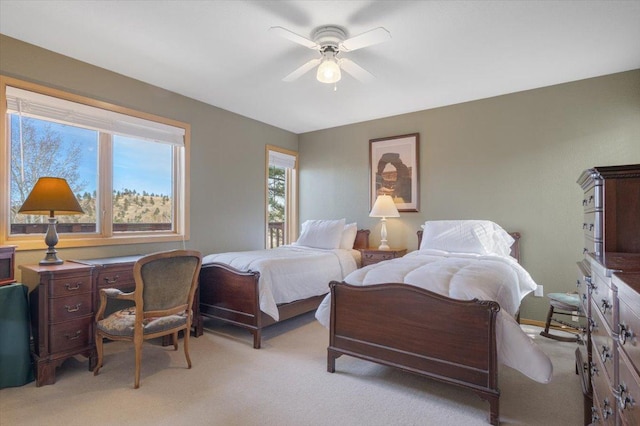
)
(111, 293)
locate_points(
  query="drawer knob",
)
(624, 333)
(73, 309)
(113, 280)
(72, 287)
(625, 400)
(73, 336)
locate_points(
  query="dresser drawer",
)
(583, 286)
(602, 343)
(71, 307)
(592, 225)
(628, 322)
(592, 198)
(628, 393)
(70, 334)
(603, 396)
(66, 286)
(603, 295)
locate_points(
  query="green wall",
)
(513, 159)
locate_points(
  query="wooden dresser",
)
(611, 226)
(63, 305)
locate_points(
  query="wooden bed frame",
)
(421, 332)
(232, 296)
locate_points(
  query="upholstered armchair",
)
(163, 298)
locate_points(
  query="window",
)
(282, 200)
(128, 169)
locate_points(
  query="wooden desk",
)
(63, 306)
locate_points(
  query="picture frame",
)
(394, 170)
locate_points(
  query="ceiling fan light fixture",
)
(329, 71)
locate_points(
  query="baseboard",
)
(542, 324)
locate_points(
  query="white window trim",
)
(104, 236)
(291, 212)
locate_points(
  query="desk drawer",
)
(68, 308)
(70, 334)
(116, 277)
(71, 285)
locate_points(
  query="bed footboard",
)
(419, 331)
(231, 295)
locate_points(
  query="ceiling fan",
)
(331, 41)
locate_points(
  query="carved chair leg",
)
(137, 341)
(100, 350)
(186, 347)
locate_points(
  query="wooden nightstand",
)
(374, 255)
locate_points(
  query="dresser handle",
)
(592, 288)
(590, 199)
(592, 325)
(585, 250)
(591, 227)
(605, 305)
(578, 283)
(70, 309)
(76, 287)
(77, 335)
(593, 370)
(584, 202)
(594, 415)
(625, 400)
(606, 409)
(624, 334)
(111, 281)
(606, 355)
(584, 226)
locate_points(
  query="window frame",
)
(291, 196)
(104, 231)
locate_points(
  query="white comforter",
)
(465, 277)
(289, 273)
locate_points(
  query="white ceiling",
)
(440, 53)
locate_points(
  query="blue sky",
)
(139, 165)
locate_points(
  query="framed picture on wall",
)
(393, 170)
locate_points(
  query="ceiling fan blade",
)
(356, 71)
(289, 35)
(369, 38)
(302, 70)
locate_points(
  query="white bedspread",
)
(465, 277)
(289, 273)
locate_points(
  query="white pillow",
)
(324, 234)
(466, 236)
(349, 236)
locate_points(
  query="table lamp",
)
(384, 207)
(50, 196)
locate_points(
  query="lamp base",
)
(51, 258)
(51, 239)
(384, 246)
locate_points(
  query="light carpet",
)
(284, 383)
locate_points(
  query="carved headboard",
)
(362, 239)
(515, 247)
